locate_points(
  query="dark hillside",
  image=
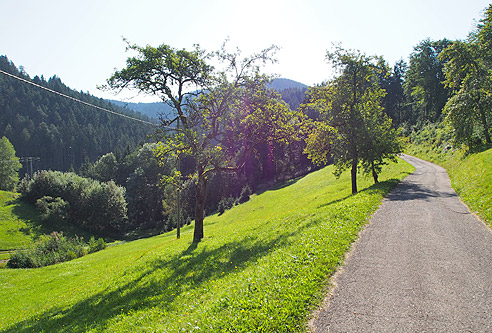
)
(292, 92)
(61, 132)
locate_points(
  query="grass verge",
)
(470, 174)
(261, 267)
(469, 171)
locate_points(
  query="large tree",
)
(468, 110)
(354, 129)
(220, 121)
(423, 85)
(467, 69)
(9, 166)
(394, 102)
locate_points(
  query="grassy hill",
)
(20, 223)
(262, 266)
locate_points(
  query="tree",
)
(467, 69)
(143, 193)
(468, 110)
(217, 120)
(90, 204)
(353, 122)
(105, 168)
(381, 143)
(394, 102)
(168, 73)
(424, 78)
(9, 166)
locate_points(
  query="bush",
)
(96, 245)
(53, 208)
(95, 206)
(225, 204)
(52, 249)
(245, 194)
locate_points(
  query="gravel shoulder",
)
(424, 263)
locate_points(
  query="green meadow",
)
(263, 266)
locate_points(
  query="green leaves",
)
(467, 71)
(354, 128)
(9, 165)
(424, 81)
(319, 142)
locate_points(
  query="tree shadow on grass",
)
(157, 283)
(386, 187)
(276, 186)
(27, 213)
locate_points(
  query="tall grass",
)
(261, 267)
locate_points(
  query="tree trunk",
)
(374, 173)
(269, 166)
(201, 194)
(485, 125)
(354, 176)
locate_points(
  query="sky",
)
(82, 41)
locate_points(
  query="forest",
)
(61, 133)
(241, 137)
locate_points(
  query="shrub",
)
(52, 249)
(50, 207)
(245, 194)
(96, 245)
(224, 204)
(95, 206)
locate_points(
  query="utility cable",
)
(77, 100)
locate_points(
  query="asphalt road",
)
(424, 263)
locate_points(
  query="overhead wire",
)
(77, 100)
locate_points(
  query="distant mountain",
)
(292, 93)
(281, 84)
(151, 110)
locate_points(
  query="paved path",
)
(423, 264)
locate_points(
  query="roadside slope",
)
(424, 263)
(262, 266)
(470, 173)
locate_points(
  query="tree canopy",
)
(467, 69)
(229, 114)
(9, 166)
(424, 85)
(354, 128)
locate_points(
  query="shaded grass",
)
(21, 224)
(470, 174)
(262, 266)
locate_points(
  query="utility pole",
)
(178, 229)
(28, 161)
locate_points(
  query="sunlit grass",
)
(262, 266)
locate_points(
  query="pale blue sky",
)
(81, 41)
